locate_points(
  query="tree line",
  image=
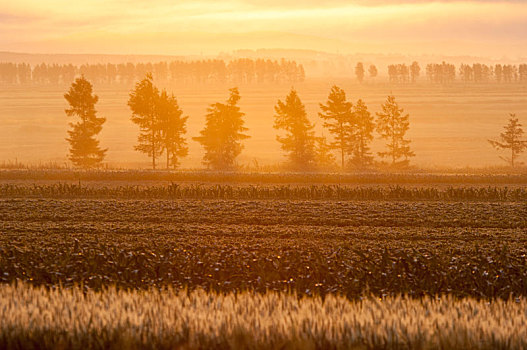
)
(238, 71)
(249, 71)
(445, 73)
(162, 129)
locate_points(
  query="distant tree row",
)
(239, 71)
(162, 128)
(247, 71)
(481, 73)
(445, 73)
(401, 73)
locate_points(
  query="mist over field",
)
(450, 123)
(249, 174)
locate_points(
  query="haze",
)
(482, 28)
(311, 47)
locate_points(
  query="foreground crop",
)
(272, 192)
(311, 247)
(38, 318)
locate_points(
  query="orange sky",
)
(486, 28)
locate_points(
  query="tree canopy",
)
(361, 134)
(338, 119)
(392, 125)
(224, 130)
(172, 126)
(299, 139)
(85, 151)
(511, 139)
(143, 103)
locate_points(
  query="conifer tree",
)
(84, 147)
(172, 127)
(299, 139)
(362, 134)
(324, 155)
(223, 133)
(392, 125)
(359, 72)
(511, 139)
(143, 103)
(338, 119)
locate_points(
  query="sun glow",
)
(130, 23)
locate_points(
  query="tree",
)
(359, 72)
(299, 141)
(143, 103)
(498, 72)
(172, 127)
(362, 134)
(223, 133)
(511, 139)
(338, 118)
(84, 148)
(414, 71)
(324, 157)
(373, 71)
(392, 125)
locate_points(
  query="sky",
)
(484, 28)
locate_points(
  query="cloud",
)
(375, 21)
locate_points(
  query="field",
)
(170, 318)
(295, 264)
(450, 125)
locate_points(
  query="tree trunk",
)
(342, 155)
(362, 150)
(393, 140)
(153, 155)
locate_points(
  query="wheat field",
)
(40, 318)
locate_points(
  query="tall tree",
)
(362, 134)
(338, 118)
(84, 148)
(172, 127)
(373, 71)
(223, 133)
(392, 125)
(143, 103)
(299, 139)
(359, 72)
(511, 139)
(324, 156)
(414, 71)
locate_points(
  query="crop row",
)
(263, 212)
(295, 192)
(274, 178)
(488, 263)
(312, 247)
